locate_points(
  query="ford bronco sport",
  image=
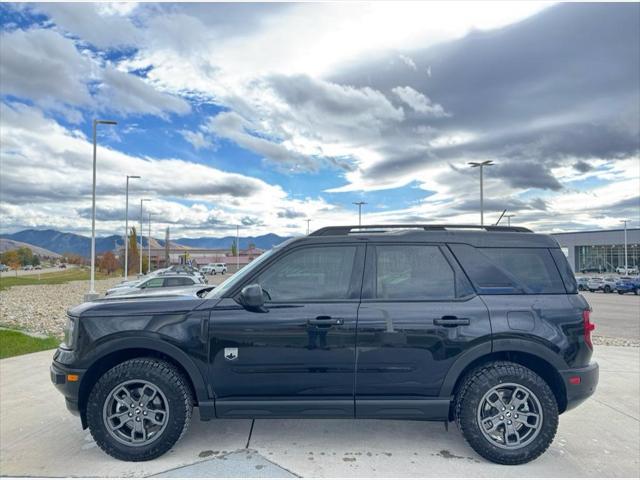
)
(479, 325)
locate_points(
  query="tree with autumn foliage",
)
(134, 253)
(108, 263)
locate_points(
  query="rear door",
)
(417, 316)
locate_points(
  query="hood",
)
(122, 306)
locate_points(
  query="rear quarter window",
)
(510, 270)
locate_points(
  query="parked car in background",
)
(3, 267)
(627, 271)
(193, 291)
(62, 265)
(28, 267)
(595, 283)
(479, 325)
(609, 284)
(214, 269)
(582, 283)
(159, 282)
(38, 267)
(628, 285)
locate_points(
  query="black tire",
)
(620, 293)
(175, 393)
(636, 291)
(472, 393)
(607, 289)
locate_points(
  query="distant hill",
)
(262, 241)
(60, 242)
(7, 244)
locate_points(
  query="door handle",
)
(450, 321)
(325, 321)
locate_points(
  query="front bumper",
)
(67, 381)
(588, 381)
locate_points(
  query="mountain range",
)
(62, 242)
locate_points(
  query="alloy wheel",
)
(510, 416)
(136, 412)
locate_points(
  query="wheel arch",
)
(545, 365)
(116, 352)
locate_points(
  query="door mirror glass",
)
(252, 298)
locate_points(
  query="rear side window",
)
(510, 270)
(414, 272)
(568, 278)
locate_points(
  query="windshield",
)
(240, 275)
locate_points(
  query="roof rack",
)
(346, 230)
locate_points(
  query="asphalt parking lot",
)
(615, 315)
(38, 437)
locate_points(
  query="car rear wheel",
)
(139, 409)
(507, 413)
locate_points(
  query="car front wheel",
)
(139, 409)
(507, 413)
(607, 289)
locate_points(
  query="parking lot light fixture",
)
(486, 163)
(626, 267)
(91, 295)
(126, 229)
(359, 204)
(509, 219)
(142, 200)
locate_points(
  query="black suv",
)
(481, 325)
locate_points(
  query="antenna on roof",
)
(503, 212)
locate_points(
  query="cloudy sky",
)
(264, 115)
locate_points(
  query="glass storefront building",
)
(601, 250)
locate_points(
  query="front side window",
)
(416, 272)
(313, 273)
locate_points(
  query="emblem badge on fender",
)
(230, 353)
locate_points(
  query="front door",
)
(297, 358)
(418, 315)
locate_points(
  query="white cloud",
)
(129, 94)
(45, 67)
(197, 139)
(419, 102)
(104, 25)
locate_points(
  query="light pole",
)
(91, 295)
(308, 223)
(237, 247)
(486, 163)
(149, 246)
(509, 219)
(141, 202)
(626, 268)
(126, 229)
(359, 204)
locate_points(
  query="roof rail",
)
(347, 229)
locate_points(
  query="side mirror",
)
(252, 298)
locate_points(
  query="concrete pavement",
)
(38, 437)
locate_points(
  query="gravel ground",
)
(42, 309)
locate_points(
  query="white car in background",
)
(159, 282)
(214, 269)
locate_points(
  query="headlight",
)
(70, 333)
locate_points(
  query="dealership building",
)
(600, 250)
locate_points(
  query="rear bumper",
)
(588, 381)
(70, 389)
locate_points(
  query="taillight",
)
(588, 327)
